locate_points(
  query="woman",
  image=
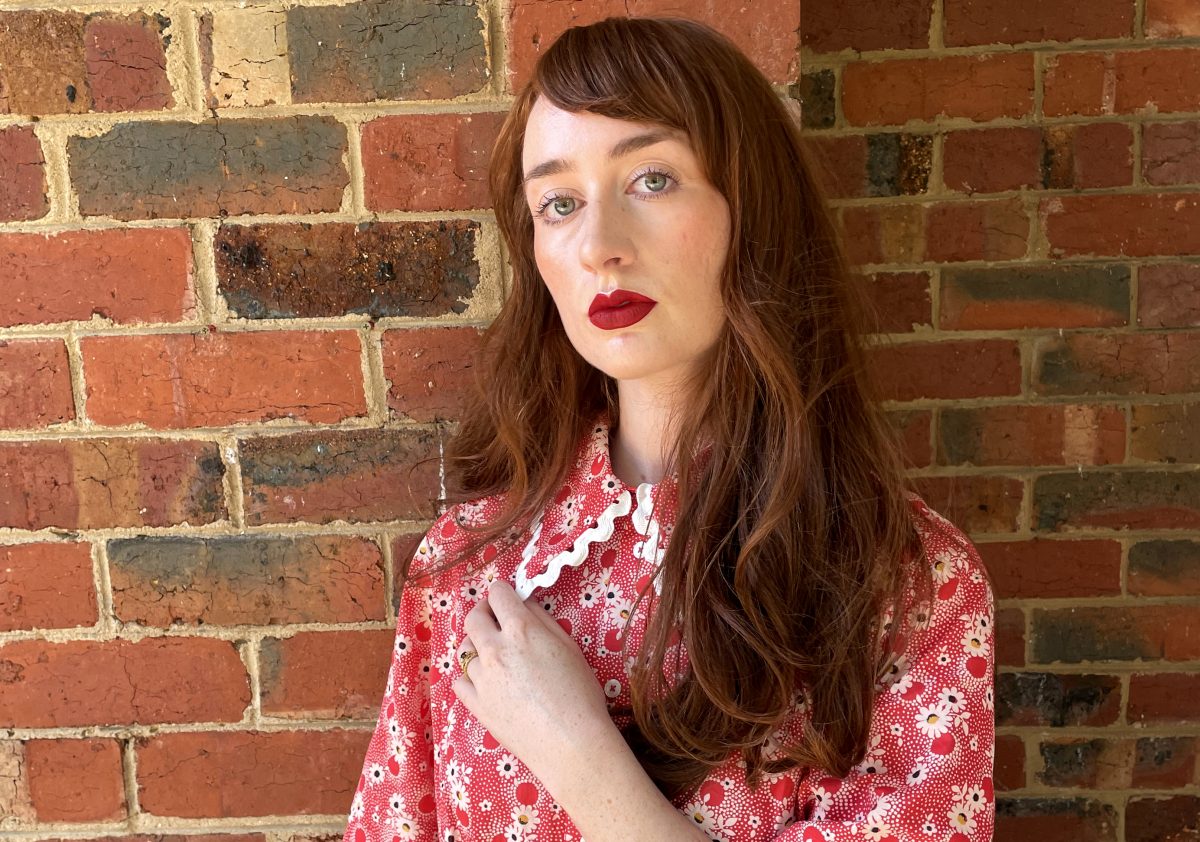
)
(687, 593)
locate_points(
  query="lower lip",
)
(614, 318)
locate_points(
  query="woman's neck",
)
(640, 442)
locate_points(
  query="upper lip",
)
(616, 299)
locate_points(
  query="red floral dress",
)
(433, 772)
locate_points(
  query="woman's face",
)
(630, 239)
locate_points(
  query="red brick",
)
(1163, 819)
(428, 162)
(901, 300)
(117, 682)
(1150, 762)
(126, 63)
(126, 275)
(1172, 19)
(884, 233)
(106, 483)
(1054, 700)
(1009, 773)
(1089, 155)
(972, 22)
(1169, 295)
(348, 475)
(1010, 637)
(1166, 432)
(76, 780)
(909, 371)
(1117, 499)
(1118, 364)
(1116, 633)
(979, 88)
(1045, 818)
(1078, 83)
(913, 427)
(1030, 296)
(325, 675)
(1032, 435)
(877, 25)
(1041, 569)
(46, 586)
(221, 774)
(35, 384)
(1164, 568)
(1163, 698)
(22, 170)
(993, 160)
(430, 371)
(975, 504)
(1171, 153)
(246, 580)
(768, 31)
(43, 70)
(958, 231)
(214, 379)
(1155, 81)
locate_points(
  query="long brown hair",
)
(790, 537)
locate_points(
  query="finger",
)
(506, 605)
(467, 694)
(544, 616)
(465, 644)
(481, 625)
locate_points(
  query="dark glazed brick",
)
(379, 269)
(1152, 632)
(22, 173)
(1049, 296)
(1163, 819)
(168, 169)
(1045, 698)
(354, 475)
(1055, 820)
(1165, 568)
(1116, 500)
(816, 94)
(165, 581)
(386, 49)
(1149, 762)
(1123, 364)
(898, 164)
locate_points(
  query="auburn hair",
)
(789, 545)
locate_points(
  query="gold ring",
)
(464, 659)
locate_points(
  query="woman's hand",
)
(530, 685)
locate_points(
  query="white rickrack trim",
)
(601, 531)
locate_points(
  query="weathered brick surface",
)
(1171, 153)
(885, 164)
(46, 586)
(816, 93)
(1117, 633)
(1172, 19)
(1117, 364)
(874, 25)
(1121, 82)
(950, 369)
(1087, 155)
(1041, 568)
(104, 483)
(379, 269)
(244, 54)
(126, 275)
(902, 301)
(946, 232)
(979, 88)
(352, 475)
(1166, 224)
(150, 170)
(768, 31)
(1163, 698)
(1166, 432)
(1077, 819)
(126, 63)
(1116, 499)
(975, 503)
(1050, 699)
(428, 162)
(15, 803)
(213, 379)
(194, 775)
(1010, 637)
(76, 780)
(1060, 434)
(993, 160)
(1175, 819)
(430, 371)
(1009, 766)
(1169, 295)
(22, 169)
(1149, 762)
(1164, 568)
(1035, 296)
(246, 580)
(971, 22)
(386, 49)
(117, 682)
(325, 675)
(35, 383)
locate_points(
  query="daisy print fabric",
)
(433, 773)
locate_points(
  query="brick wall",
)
(243, 249)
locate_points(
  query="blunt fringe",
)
(792, 537)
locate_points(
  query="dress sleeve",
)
(927, 774)
(395, 795)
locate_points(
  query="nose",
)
(604, 238)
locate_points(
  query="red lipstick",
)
(621, 309)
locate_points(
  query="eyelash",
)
(540, 213)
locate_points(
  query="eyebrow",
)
(621, 149)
